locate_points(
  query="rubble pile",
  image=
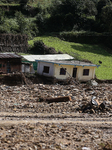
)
(56, 117)
(54, 136)
(84, 98)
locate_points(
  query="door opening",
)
(74, 72)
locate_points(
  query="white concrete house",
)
(82, 71)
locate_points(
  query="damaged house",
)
(61, 70)
(10, 62)
(31, 59)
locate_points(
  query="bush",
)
(40, 48)
(88, 37)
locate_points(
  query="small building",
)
(32, 58)
(82, 71)
(10, 62)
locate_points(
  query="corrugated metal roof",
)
(74, 63)
(9, 55)
(48, 57)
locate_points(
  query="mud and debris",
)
(82, 122)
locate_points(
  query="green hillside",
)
(93, 53)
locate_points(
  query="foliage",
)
(93, 53)
(64, 14)
(40, 48)
(88, 37)
(25, 26)
(89, 7)
(100, 25)
(37, 48)
(106, 18)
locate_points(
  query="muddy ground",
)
(28, 123)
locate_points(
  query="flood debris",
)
(57, 99)
(102, 105)
(94, 106)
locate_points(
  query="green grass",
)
(8, 4)
(93, 53)
(30, 2)
(42, 2)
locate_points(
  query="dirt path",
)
(7, 122)
(19, 118)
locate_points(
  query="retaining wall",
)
(13, 43)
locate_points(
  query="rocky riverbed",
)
(27, 122)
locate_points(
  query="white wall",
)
(80, 75)
(25, 68)
(69, 69)
(40, 68)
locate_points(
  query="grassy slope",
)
(93, 53)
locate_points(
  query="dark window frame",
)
(46, 69)
(62, 71)
(85, 72)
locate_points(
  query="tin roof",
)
(48, 57)
(72, 62)
(9, 55)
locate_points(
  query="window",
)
(0, 65)
(85, 72)
(46, 69)
(62, 71)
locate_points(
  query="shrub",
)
(88, 37)
(40, 48)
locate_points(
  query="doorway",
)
(74, 72)
(8, 67)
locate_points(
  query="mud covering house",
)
(10, 62)
(82, 71)
(32, 58)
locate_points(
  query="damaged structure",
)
(32, 58)
(61, 67)
(61, 70)
(10, 62)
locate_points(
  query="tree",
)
(101, 4)
(23, 2)
(89, 7)
(25, 25)
(100, 20)
(64, 14)
(106, 18)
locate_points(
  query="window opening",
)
(46, 69)
(85, 72)
(62, 71)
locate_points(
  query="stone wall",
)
(13, 43)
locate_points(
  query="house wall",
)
(69, 71)
(15, 65)
(40, 68)
(80, 75)
(25, 68)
